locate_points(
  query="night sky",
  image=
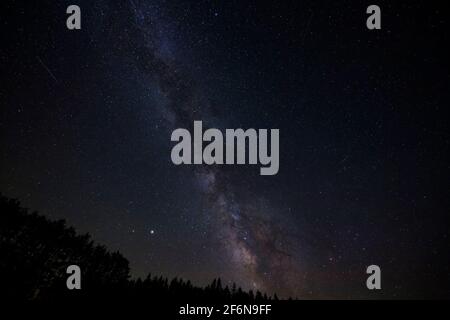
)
(87, 115)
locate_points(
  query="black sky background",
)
(86, 118)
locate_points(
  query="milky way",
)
(254, 237)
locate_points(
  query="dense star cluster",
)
(87, 117)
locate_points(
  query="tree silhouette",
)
(35, 252)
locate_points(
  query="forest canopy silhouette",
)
(35, 253)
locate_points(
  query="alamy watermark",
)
(235, 145)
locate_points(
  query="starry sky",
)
(86, 119)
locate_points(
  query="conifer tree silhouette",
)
(35, 253)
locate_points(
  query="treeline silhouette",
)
(35, 253)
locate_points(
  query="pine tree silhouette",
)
(35, 252)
